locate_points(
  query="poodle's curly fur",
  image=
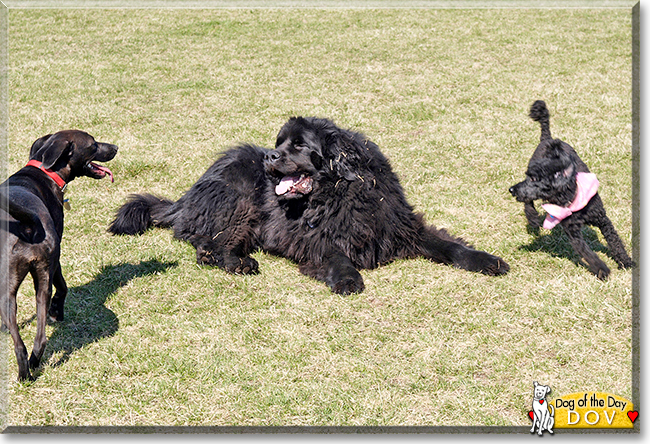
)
(551, 177)
(325, 198)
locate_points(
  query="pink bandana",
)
(587, 188)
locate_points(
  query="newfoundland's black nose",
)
(272, 156)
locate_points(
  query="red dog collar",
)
(55, 177)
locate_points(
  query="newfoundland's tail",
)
(141, 212)
(539, 113)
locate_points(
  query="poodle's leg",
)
(596, 265)
(615, 243)
(338, 272)
(439, 246)
(532, 216)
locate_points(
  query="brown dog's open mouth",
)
(294, 185)
(100, 171)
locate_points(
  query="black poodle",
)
(558, 176)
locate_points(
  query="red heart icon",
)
(632, 415)
(541, 401)
(532, 415)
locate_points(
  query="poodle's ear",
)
(568, 171)
(563, 158)
(548, 390)
(555, 149)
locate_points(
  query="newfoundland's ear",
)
(344, 170)
(316, 160)
(338, 155)
(341, 160)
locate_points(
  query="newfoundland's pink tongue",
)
(295, 184)
(286, 184)
(103, 169)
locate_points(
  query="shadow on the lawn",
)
(87, 319)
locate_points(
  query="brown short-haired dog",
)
(31, 226)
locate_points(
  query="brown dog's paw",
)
(55, 313)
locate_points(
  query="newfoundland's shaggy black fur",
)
(325, 198)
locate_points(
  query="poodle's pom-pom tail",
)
(139, 213)
(539, 113)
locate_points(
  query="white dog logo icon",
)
(542, 417)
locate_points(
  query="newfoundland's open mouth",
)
(294, 185)
(100, 171)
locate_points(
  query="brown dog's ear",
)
(37, 145)
(48, 150)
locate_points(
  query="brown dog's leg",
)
(58, 300)
(43, 288)
(8, 311)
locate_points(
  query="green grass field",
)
(151, 338)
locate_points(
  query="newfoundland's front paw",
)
(240, 265)
(205, 256)
(600, 270)
(345, 280)
(483, 262)
(349, 285)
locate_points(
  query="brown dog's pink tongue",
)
(104, 170)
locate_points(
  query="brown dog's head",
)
(72, 153)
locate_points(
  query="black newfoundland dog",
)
(325, 198)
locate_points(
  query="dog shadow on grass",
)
(87, 319)
(556, 243)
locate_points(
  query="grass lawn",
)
(151, 338)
